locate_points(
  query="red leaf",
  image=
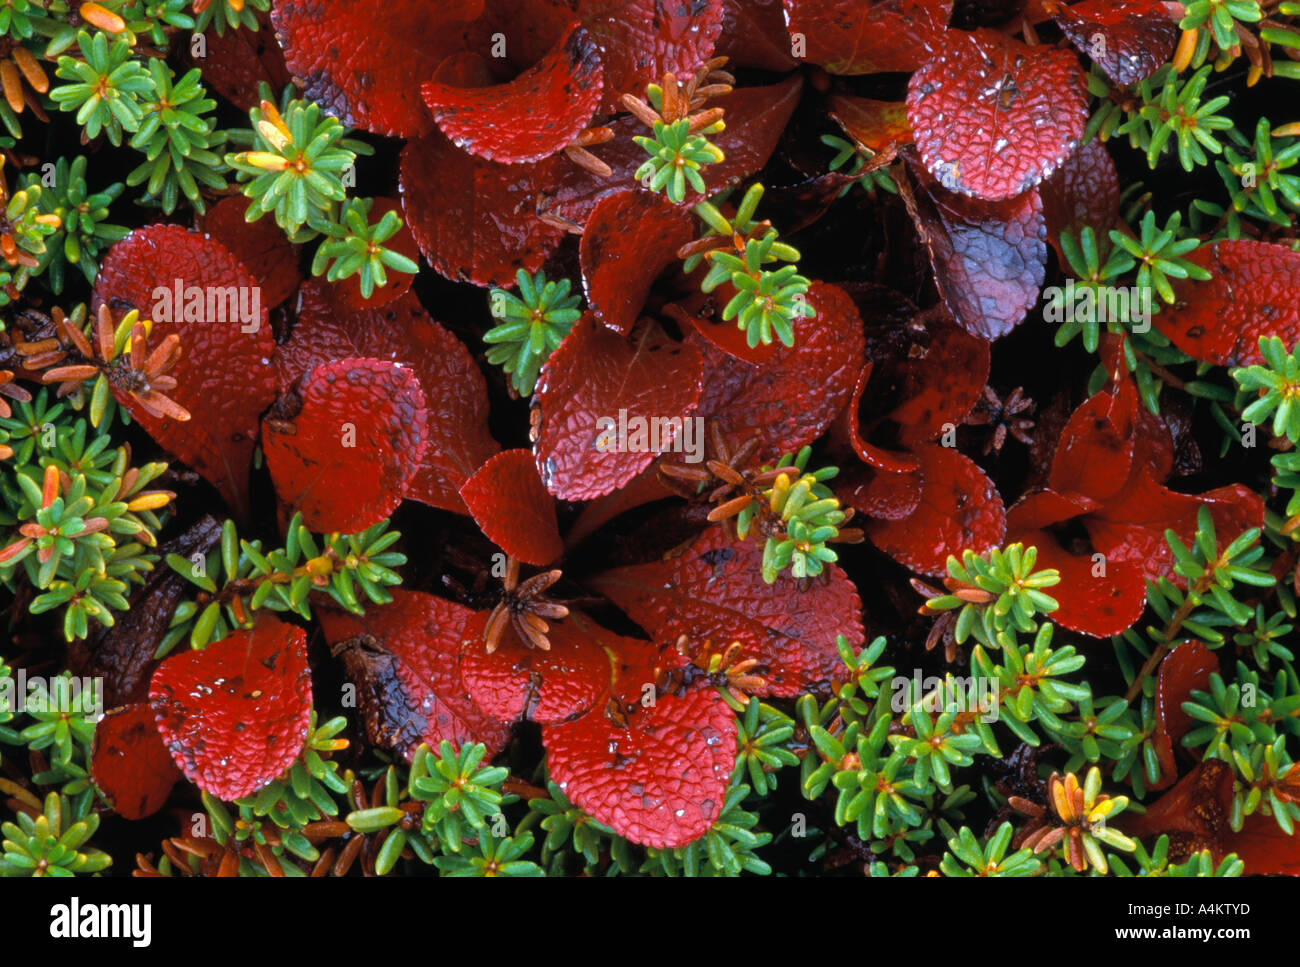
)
(714, 591)
(993, 117)
(605, 406)
(959, 509)
(1083, 192)
(238, 60)
(533, 116)
(939, 380)
(260, 245)
(223, 377)
(345, 444)
(866, 36)
(873, 124)
(1132, 528)
(887, 461)
(1094, 600)
(1094, 456)
(363, 60)
(1186, 668)
(1194, 812)
(753, 35)
(130, 764)
(404, 659)
(235, 715)
(508, 502)
(630, 238)
(755, 117)
(401, 331)
(516, 681)
(725, 336)
(660, 779)
(1128, 39)
(792, 399)
(989, 257)
(642, 39)
(1252, 293)
(877, 493)
(474, 220)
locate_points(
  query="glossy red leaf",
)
(725, 336)
(642, 39)
(959, 509)
(1254, 291)
(714, 592)
(992, 117)
(404, 659)
(474, 220)
(882, 459)
(755, 118)
(605, 404)
(989, 257)
(345, 443)
(532, 116)
(630, 238)
(363, 60)
(223, 377)
(1082, 193)
(1132, 527)
(1263, 846)
(512, 508)
(130, 764)
(459, 442)
(790, 400)
(873, 124)
(235, 715)
(866, 36)
(517, 682)
(237, 61)
(1183, 670)
(260, 245)
(1095, 453)
(658, 776)
(1096, 597)
(1128, 39)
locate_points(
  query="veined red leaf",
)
(1128, 39)
(512, 508)
(866, 36)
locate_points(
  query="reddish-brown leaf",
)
(866, 36)
(512, 508)
(755, 117)
(630, 238)
(404, 660)
(873, 124)
(130, 764)
(959, 509)
(1082, 193)
(992, 117)
(237, 61)
(223, 376)
(344, 445)
(474, 220)
(1094, 456)
(753, 35)
(790, 400)
(531, 117)
(1128, 39)
(607, 407)
(235, 715)
(877, 493)
(1185, 669)
(1252, 293)
(714, 592)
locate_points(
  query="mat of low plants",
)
(637, 437)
